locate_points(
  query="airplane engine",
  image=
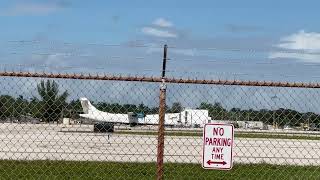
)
(103, 127)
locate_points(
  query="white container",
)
(66, 121)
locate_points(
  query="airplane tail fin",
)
(87, 106)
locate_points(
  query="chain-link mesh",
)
(104, 129)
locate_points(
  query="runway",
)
(47, 142)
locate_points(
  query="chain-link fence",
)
(70, 126)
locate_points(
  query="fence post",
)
(162, 111)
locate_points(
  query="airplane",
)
(187, 118)
(92, 113)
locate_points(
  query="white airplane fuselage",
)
(90, 112)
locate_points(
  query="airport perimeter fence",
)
(52, 127)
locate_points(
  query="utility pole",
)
(162, 110)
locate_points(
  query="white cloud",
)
(55, 59)
(186, 52)
(31, 9)
(161, 22)
(158, 32)
(301, 41)
(311, 58)
(156, 49)
(303, 46)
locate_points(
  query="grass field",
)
(239, 135)
(108, 170)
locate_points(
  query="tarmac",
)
(57, 142)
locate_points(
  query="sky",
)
(270, 36)
(247, 40)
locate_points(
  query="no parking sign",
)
(217, 146)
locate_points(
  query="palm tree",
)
(52, 103)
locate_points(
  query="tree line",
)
(52, 106)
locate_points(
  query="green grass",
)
(237, 135)
(109, 170)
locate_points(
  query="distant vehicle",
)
(287, 127)
(314, 127)
(305, 126)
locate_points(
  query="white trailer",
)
(186, 118)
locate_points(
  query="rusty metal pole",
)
(162, 111)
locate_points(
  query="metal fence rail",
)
(52, 117)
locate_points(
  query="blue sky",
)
(248, 40)
(261, 30)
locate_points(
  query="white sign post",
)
(217, 146)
